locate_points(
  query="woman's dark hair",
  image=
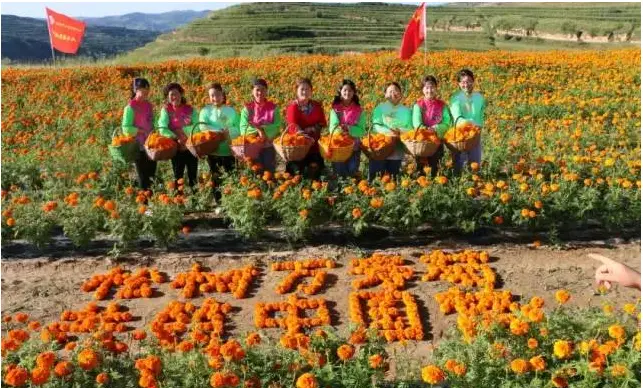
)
(304, 81)
(260, 82)
(429, 79)
(465, 72)
(338, 96)
(393, 84)
(217, 86)
(178, 88)
(139, 83)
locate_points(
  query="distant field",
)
(261, 29)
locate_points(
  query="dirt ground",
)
(44, 287)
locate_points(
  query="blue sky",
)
(95, 9)
(87, 9)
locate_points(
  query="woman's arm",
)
(358, 130)
(442, 127)
(127, 124)
(333, 122)
(272, 130)
(164, 124)
(417, 116)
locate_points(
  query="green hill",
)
(256, 29)
(164, 22)
(27, 40)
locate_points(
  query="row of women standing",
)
(262, 117)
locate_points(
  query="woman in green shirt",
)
(432, 113)
(469, 105)
(219, 117)
(390, 118)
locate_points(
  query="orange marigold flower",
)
(63, 368)
(537, 363)
(46, 360)
(253, 339)
(88, 359)
(345, 352)
(616, 331)
(519, 366)
(40, 375)
(563, 349)
(307, 380)
(102, 378)
(559, 382)
(375, 361)
(21, 317)
(562, 296)
(16, 377)
(532, 343)
(432, 374)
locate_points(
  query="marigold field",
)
(561, 151)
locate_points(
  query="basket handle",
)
(194, 127)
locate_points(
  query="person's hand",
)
(262, 134)
(309, 130)
(613, 271)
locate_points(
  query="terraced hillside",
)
(258, 29)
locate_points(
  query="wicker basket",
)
(205, 148)
(464, 145)
(420, 149)
(247, 150)
(158, 155)
(336, 155)
(380, 154)
(125, 153)
(292, 153)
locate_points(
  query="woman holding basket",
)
(262, 117)
(470, 106)
(347, 116)
(138, 118)
(305, 115)
(219, 117)
(390, 118)
(176, 121)
(432, 113)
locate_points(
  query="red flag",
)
(65, 33)
(414, 34)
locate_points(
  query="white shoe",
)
(148, 212)
(218, 210)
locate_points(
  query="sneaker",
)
(148, 212)
(218, 210)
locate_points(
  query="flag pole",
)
(51, 42)
(425, 48)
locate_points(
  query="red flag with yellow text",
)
(414, 34)
(65, 33)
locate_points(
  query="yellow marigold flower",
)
(629, 308)
(562, 296)
(544, 332)
(608, 309)
(519, 366)
(618, 370)
(562, 349)
(637, 341)
(538, 363)
(432, 374)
